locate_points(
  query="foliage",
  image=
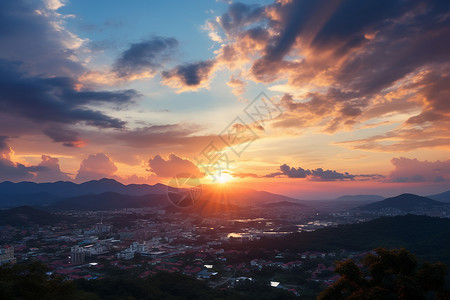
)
(388, 274)
(30, 281)
(427, 237)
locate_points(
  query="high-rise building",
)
(77, 255)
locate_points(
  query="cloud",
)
(55, 102)
(34, 33)
(46, 171)
(320, 174)
(414, 170)
(403, 140)
(5, 150)
(15, 172)
(173, 166)
(51, 171)
(247, 175)
(147, 56)
(190, 76)
(9, 170)
(240, 15)
(96, 167)
(135, 179)
(180, 137)
(39, 60)
(345, 63)
(237, 84)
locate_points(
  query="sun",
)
(224, 177)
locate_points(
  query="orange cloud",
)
(95, 167)
(173, 166)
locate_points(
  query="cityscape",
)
(221, 149)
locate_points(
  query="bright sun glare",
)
(224, 178)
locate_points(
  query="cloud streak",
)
(319, 174)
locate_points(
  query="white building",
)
(7, 255)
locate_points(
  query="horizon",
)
(231, 186)
(298, 99)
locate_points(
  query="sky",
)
(310, 99)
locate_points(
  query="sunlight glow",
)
(224, 177)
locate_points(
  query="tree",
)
(30, 281)
(388, 274)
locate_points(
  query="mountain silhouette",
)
(27, 216)
(403, 202)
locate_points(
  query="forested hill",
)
(427, 237)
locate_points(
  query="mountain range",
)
(109, 201)
(109, 194)
(70, 189)
(444, 197)
(405, 203)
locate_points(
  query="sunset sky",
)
(139, 91)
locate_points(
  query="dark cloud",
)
(239, 15)
(58, 133)
(38, 64)
(317, 174)
(320, 174)
(188, 76)
(30, 32)
(96, 167)
(173, 166)
(146, 56)
(55, 102)
(14, 172)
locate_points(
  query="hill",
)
(70, 189)
(30, 193)
(282, 204)
(108, 201)
(443, 197)
(35, 199)
(404, 203)
(28, 216)
(362, 198)
(231, 194)
(425, 236)
(222, 199)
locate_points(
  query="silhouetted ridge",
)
(27, 216)
(403, 202)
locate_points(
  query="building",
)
(126, 254)
(77, 255)
(7, 255)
